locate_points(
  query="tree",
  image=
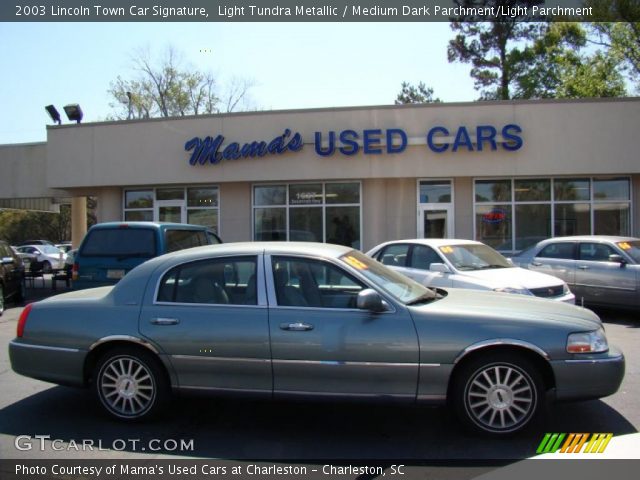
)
(166, 88)
(558, 69)
(619, 32)
(413, 94)
(494, 49)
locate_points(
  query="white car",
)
(51, 258)
(467, 264)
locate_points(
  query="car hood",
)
(512, 277)
(485, 306)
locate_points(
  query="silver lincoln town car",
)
(308, 320)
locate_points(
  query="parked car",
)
(110, 250)
(601, 270)
(466, 264)
(11, 276)
(308, 320)
(65, 247)
(36, 242)
(49, 256)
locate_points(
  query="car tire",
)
(46, 267)
(20, 294)
(1, 299)
(131, 384)
(498, 393)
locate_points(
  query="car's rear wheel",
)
(130, 384)
(498, 393)
(46, 267)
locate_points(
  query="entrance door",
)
(171, 211)
(435, 221)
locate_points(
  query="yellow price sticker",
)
(624, 245)
(446, 249)
(355, 263)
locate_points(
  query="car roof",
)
(435, 242)
(591, 238)
(157, 225)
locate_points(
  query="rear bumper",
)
(594, 377)
(51, 364)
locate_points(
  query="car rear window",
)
(181, 239)
(120, 242)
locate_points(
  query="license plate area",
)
(115, 274)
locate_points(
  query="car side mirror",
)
(439, 267)
(7, 260)
(370, 300)
(617, 259)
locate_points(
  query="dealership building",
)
(505, 173)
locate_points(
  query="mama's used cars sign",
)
(438, 139)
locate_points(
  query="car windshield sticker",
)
(355, 263)
(446, 249)
(624, 245)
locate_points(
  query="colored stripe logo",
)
(574, 442)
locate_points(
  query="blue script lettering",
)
(207, 150)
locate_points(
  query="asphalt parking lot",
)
(233, 429)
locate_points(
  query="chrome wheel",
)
(126, 386)
(500, 397)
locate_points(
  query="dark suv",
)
(11, 276)
(110, 250)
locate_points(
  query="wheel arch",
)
(534, 354)
(102, 346)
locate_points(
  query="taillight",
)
(22, 321)
(74, 272)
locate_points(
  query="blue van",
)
(110, 250)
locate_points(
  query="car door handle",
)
(164, 321)
(536, 264)
(583, 267)
(296, 327)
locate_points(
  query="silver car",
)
(314, 321)
(600, 270)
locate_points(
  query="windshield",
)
(632, 249)
(474, 257)
(49, 249)
(398, 286)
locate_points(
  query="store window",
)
(195, 205)
(513, 214)
(308, 212)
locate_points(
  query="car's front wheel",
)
(46, 267)
(131, 384)
(498, 393)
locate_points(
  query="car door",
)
(603, 281)
(322, 345)
(557, 259)
(210, 318)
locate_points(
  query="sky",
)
(292, 65)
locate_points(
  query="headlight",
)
(587, 342)
(519, 291)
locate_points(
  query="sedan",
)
(11, 276)
(601, 270)
(312, 321)
(466, 264)
(50, 257)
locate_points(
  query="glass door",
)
(435, 221)
(170, 211)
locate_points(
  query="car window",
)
(223, 281)
(596, 252)
(562, 250)
(301, 282)
(423, 256)
(631, 248)
(120, 242)
(181, 239)
(394, 255)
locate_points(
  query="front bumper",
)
(594, 376)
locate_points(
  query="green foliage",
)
(412, 94)
(497, 51)
(619, 32)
